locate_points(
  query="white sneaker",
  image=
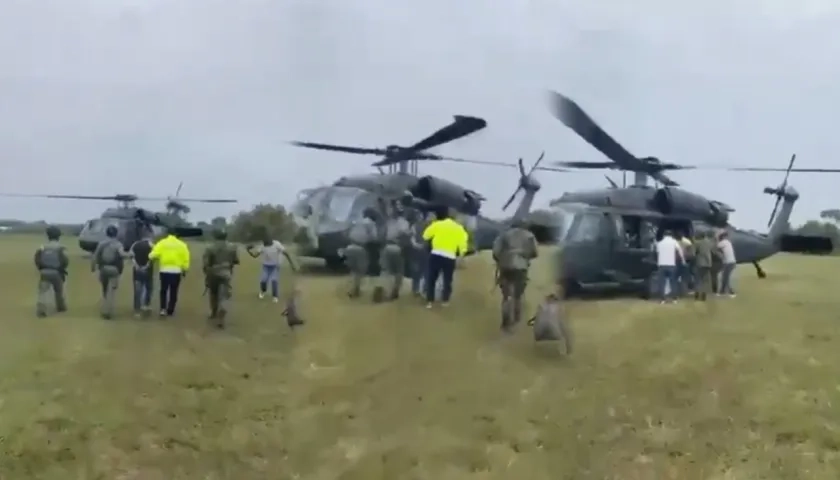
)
(731, 295)
(275, 300)
(428, 305)
(262, 295)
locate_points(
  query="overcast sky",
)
(106, 96)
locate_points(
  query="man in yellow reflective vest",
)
(173, 258)
(448, 240)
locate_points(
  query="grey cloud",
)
(210, 91)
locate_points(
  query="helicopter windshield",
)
(100, 224)
(576, 223)
(328, 203)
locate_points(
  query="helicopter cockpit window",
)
(587, 228)
(341, 201)
(100, 224)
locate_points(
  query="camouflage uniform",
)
(703, 261)
(397, 233)
(513, 251)
(108, 258)
(52, 262)
(419, 253)
(218, 262)
(361, 234)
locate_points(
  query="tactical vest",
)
(222, 256)
(50, 258)
(110, 254)
(362, 232)
(396, 230)
(514, 254)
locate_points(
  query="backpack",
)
(110, 253)
(51, 257)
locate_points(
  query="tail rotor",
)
(525, 180)
(779, 192)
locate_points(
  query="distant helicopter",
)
(324, 214)
(607, 234)
(134, 222)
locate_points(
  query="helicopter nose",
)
(88, 245)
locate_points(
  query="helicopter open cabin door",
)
(633, 253)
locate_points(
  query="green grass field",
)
(745, 389)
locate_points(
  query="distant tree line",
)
(246, 226)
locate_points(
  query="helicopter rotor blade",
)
(340, 148)
(461, 126)
(521, 166)
(537, 163)
(178, 190)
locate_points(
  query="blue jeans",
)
(726, 279)
(270, 274)
(143, 284)
(666, 276)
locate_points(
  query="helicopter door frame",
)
(633, 254)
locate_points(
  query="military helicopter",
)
(607, 234)
(324, 214)
(134, 222)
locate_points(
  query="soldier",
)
(361, 234)
(52, 262)
(397, 233)
(703, 258)
(108, 258)
(219, 260)
(513, 251)
(419, 253)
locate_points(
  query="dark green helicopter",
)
(607, 234)
(324, 214)
(134, 222)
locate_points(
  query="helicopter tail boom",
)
(809, 244)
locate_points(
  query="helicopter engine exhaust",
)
(437, 191)
(674, 201)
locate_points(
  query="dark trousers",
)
(169, 285)
(143, 284)
(439, 267)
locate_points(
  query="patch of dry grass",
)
(742, 389)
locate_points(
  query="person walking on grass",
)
(173, 257)
(271, 254)
(668, 253)
(727, 254)
(448, 240)
(108, 260)
(142, 275)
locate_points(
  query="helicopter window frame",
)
(588, 227)
(340, 202)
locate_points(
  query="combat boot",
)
(507, 325)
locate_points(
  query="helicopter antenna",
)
(624, 179)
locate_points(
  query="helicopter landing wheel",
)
(334, 263)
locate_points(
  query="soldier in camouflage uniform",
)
(704, 249)
(513, 251)
(218, 262)
(419, 252)
(392, 257)
(108, 258)
(52, 262)
(361, 235)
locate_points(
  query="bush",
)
(253, 225)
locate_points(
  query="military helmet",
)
(111, 231)
(53, 232)
(219, 234)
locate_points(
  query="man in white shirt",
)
(727, 254)
(271, 254)
(668, 251)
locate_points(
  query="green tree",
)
(263, 219)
